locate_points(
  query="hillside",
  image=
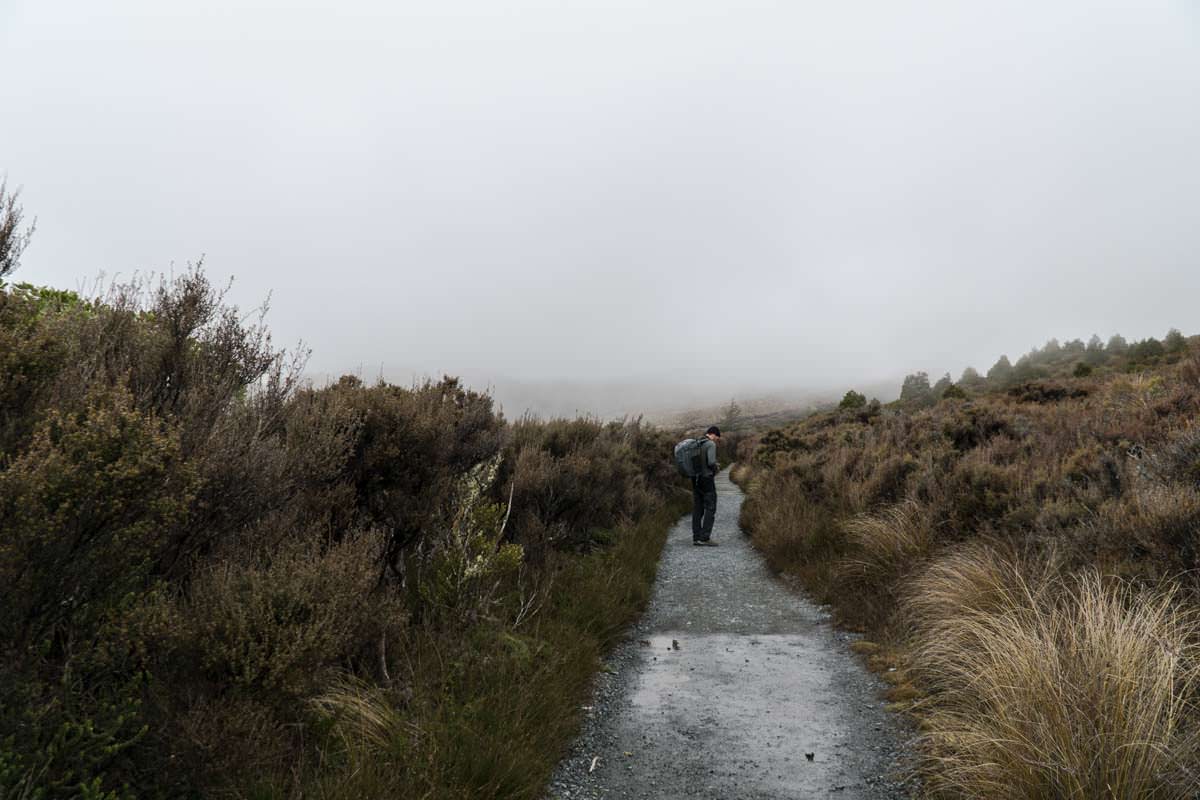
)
(1022, 549)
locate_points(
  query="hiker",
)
(704, 491)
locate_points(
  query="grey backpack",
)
(689, 457)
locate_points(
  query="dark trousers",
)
(704, 507)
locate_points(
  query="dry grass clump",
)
(886, 543)
(1071, 687)
(882, 547)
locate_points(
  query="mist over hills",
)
(680, 403)
(687, 399)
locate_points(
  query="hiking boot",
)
(705, 543)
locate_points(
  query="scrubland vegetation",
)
(220, 582)
(1022, 550)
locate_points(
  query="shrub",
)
(14, 237)
(973, 426)
(82, 512)
(852, 400)
(575, 477)
(978, 492)
(888, 482)
(1045, 393)
(408, 450)
(793, 533)
(488, 710)
(465, 565)
(953, 392)
(281, 622)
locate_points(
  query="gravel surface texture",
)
(733, 685)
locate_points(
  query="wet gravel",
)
(733, 685)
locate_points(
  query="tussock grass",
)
(1064, 687)
(367, 721)
(976, 580)
(882, 547)
(887, 541)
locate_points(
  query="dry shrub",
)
(978, 491)
(888, 481)
(971, 425)
(577, 477)
(1093, 471)
(1045, 392)
(1055, 687)
(228, 743)
(82, 512)
(1134, 392)
(282, 622)
(1179, 458)
(1189, 370)
(1040, 685)
(255, 638)
(741, 473)
(1157, 524)
(794, 533)
(409, 447)
(194, 547)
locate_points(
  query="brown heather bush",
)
(279, 622)
(218, 582)
(795, 534)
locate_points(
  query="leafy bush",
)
(279, 622)
(14, 237)
(953, 392)
(853, 400)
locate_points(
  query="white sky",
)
(733, 195)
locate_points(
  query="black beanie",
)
(713, 429)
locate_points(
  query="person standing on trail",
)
(704, 492)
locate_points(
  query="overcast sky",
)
(744, 194)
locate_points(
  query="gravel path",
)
(727, 685)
